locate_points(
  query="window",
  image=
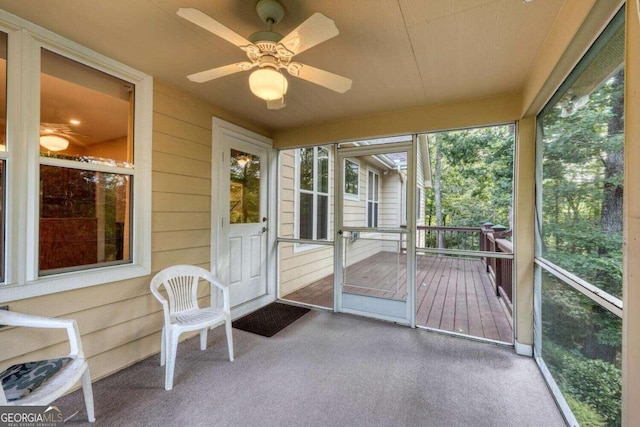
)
(373, 198)
(3, 145)
(79, 195)
(244, 191)
(579, 260)
(85, 215)
(351, 180)
(313, 193)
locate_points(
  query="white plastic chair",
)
(57, 383)
(182, 313)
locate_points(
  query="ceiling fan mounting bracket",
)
(270, 11)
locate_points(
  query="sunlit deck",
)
(454, 294)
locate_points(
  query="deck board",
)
(473, 309)
(453, 294)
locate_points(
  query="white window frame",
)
(370, 197)
(349, 196)
(299, 247)
(22, 280)
(419, 202)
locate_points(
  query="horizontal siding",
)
(171, 183)
(181, 128)
(175, 202)
(175, 221)
(172, 240)
(298, 269)
(182, 165)
(120, 322)
(180, 147)
(166, 259)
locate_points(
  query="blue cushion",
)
(20, 380)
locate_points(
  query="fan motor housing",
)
(265, 36)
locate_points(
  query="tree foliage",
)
(476, 173)
(582, 193)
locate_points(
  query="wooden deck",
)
(454, 294)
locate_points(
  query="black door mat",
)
(270, 319)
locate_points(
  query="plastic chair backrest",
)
(181, 284)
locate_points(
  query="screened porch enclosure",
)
(346, 237)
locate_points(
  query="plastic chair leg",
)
(172, 350)
(87, 390)
(227, 327)
(203, 339)
(163, 347)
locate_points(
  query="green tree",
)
(582, 194)
(473, 175)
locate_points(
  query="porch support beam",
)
(524, 234)
(631, 233)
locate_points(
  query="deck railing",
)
(461, 238)
(488, 237)
(494, 239)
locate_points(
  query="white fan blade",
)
(208, 23)
(276, 104)
(320, 77)
(315, 30)
(215, 73)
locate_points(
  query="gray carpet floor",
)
(328, 369)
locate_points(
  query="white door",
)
(241, 256)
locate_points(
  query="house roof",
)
(399, 53)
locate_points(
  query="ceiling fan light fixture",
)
(268, 84)
(54, 142)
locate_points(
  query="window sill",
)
(304, 247)
(69, 281)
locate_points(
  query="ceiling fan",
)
(271, 52)
(56, 136)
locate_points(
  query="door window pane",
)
(244, 194)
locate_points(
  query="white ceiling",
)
(399, 53)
